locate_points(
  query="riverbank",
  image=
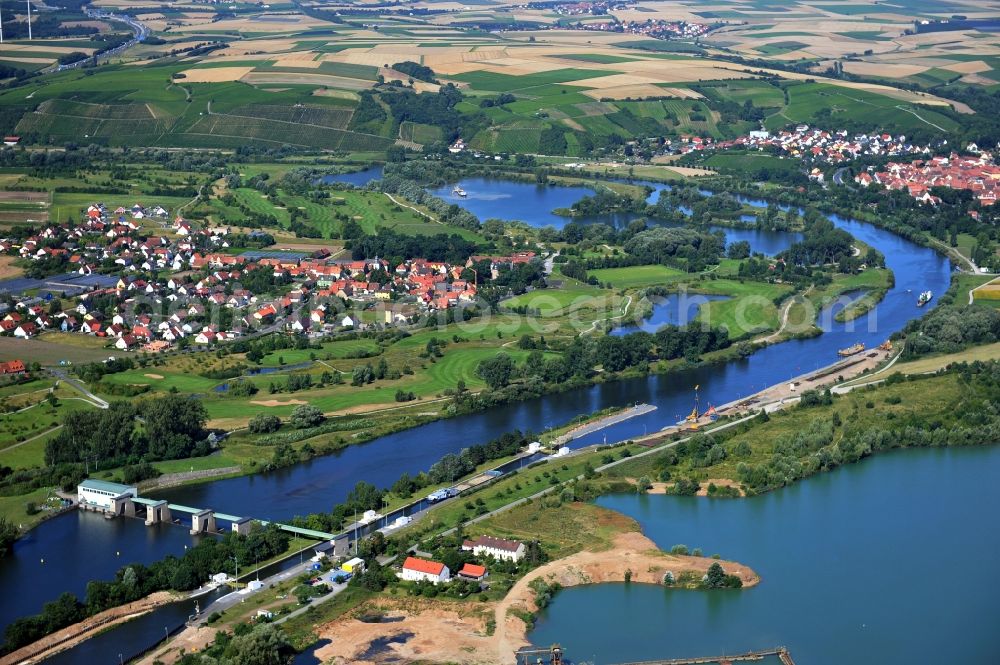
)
(70, 636)
(488, 634)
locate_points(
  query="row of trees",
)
(169, 427)
(136, 581)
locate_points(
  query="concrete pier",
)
(203, 521)
(158, 512)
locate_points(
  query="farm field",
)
(749, 309)
(638, 276)
(301, 85)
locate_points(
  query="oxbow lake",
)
(891, 561)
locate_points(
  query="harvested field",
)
(28, 61)
(882, 69)
(215, 74)
(7, 267)
(297, 78)
(973, 67)
(47, 48)
(252, 46)
(626, 91)
(25, 197)
(302, 60)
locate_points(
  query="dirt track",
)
(436, 631)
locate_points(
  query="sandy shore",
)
(661, 488)
(78, 632)
(441, 631)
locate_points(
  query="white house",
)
(498, 548)
(103, 494)
(417, 570)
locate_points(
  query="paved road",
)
(229, 600)
(63, 376)
(547, 265)
(838, 175)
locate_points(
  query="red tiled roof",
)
(472, 570)
(423, 566)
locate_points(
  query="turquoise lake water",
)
(892, 560)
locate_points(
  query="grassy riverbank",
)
(822, 433)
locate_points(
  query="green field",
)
(572, 296)
(638, 276)
(752, 163)
(493, 82)
(762, 93)
(750, 308)
(874, 110)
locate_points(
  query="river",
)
(320, 483)
(892, 561)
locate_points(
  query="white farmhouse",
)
(498, 548)
(417, 570)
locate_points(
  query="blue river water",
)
(320, 483)
(678, 309)
(890, 561)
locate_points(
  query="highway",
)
(140, 33)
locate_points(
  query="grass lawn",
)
(219, 460)
(749, 309)
(25, 426)
(49, 353)
(458, 364)
(341, 349)
(638, 276)
(571, 528)
(14, 508)
(161, 379)
(572, 296)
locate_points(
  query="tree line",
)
(135, 581)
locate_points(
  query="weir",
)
(203, 520)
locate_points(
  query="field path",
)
(97, 401)
(923, 120)
(767, 339)
(593, 326)
(973, 290)
(403, 205)
(37, 436)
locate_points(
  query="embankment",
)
(441, 631)
(78, 632)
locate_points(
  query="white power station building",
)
(102, 494)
